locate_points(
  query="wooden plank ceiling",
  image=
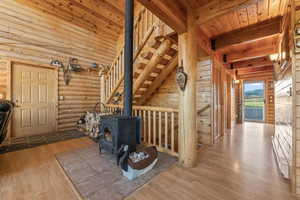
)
(240, 29)
(258, 11)
(103, 17)
(218, 20)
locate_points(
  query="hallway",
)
(241, 166)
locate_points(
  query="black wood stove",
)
(118, 130)
(123, 130)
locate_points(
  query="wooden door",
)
(34, 93)
(216, 104)
(219, 102)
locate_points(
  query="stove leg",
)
(100, 149)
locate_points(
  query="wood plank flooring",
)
(33, 174)
(240, 167)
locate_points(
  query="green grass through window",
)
(254, 102)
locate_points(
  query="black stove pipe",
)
(128, 60)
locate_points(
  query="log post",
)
(188, 53)
(102, 90)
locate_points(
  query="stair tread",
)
(143, 60)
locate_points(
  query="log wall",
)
(167, 96)
(282, 140)
(219, 96)
(4, 79)
(204, 101)
(81, 95)
(295, 172)
(233, 105)
(30, 35)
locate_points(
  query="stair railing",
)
(159, 126)
(144, 27)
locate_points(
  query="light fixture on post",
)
(298, 43)
(274, 57)
(236, 81)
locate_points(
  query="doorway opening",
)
(254, 101)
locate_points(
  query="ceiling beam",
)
(256, 75)
(250, 33)
(216, 8)
(190, 3)
(251, 53)
(255, 69)
(256, 62)
(171, 12)
(174, 12)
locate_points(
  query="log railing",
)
(159, 126)
(144, 27)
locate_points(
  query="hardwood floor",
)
(33, 174)
(240, 167)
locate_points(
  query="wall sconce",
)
(94, 65)
(56, 63)
(236, 81)
(274, 57)
(298, 43)
(297, 31)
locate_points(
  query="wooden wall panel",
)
(282, 140)
(296, 125)
(270, 101)
(29, 34)
(238, 102)
(81, 95)
(218, 105)
(233, 105)
(167, 96)
(204, 101)
(4, 79)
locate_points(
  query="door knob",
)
(16, 103)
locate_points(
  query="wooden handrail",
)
(159, 126)
(203, 109)
(136, 55)
(150, 108)
(123, 45)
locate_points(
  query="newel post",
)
(188, 52)
(102, 74)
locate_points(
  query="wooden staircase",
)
(155, 59)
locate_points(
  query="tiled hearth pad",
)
(37, 140)
(96, 176)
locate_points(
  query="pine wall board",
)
(30, 35)
(167, 96)
(81, 95)
(282, 140)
